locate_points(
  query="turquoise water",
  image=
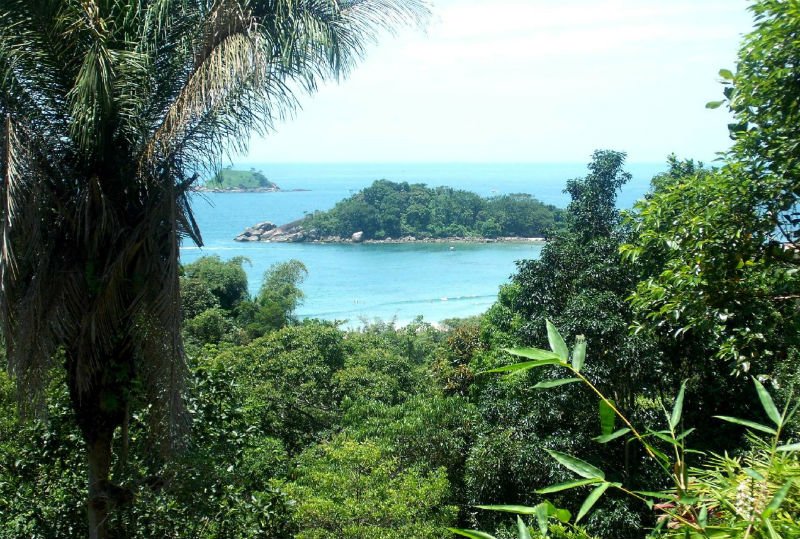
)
(399, 281)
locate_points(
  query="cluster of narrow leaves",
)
(692, 508)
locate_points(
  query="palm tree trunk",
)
(99, 460)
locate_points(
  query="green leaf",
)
(677, 409)
(524, 366)
(702, 518)
(557, 344)
(562, 515)
(684, 434)
(777, 500)
(771, 530)
(579, 353)
(607, 417)
(604, 439)
(533, 353)
(524, 533)
(591, 499)
(661, 436)
(541, 518)
(580, 467)
(555, 383)
(768, 403)
(472, 534)
(714, 104)
(518, 509)
(659, 455)
(789, 447)
(659, 495)
(746, 423)
(754, 474)
(567, 485)
(726, 74)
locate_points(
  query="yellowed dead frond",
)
(11, 181)
(233, 56)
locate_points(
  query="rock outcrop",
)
(294, 233)
(270, 232)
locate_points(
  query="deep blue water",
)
(400, 281)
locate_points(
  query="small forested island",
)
(401, 212)
(239, 181)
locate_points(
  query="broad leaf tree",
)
(719, 248)
(108, 107)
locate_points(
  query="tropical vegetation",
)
(639, 378)
(229, 179)
(388, 209)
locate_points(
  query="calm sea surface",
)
(402, 281)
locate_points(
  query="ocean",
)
(365, 283)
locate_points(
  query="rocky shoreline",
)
(267, 232)
(276, 189)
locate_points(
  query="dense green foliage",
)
(229, 179)
(301, 429)
(727, 498)
(217, 307)
(393, 210)
(580, 284)
(262, 448)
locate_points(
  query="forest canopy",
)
(388, 209)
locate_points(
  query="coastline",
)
(204, 189)
(509, 239)
(295, 232)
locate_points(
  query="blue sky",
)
(527, 81)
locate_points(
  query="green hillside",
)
(231, 179)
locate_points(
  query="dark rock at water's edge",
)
(295, 233)
(276, 189)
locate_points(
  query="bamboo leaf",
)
(768, 403)
(518, 509)
(541, 518)
(659, 495)
(557, 344)
(746, 423)
(702, 518)
(472, 534)
(591, 499)
(524, 533)
(567, 485)
(771, 530)
(662, 436)
(607, 417)
(754, 474)
(524, 366)
(789, 447)
(677, 408)
(580, 467)
(579, 353)
(563, 515)
(555, 383)
(533, 353)
(604, 439)
(778, 498)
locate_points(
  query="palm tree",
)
(108, 108)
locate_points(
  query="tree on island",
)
(107, 107)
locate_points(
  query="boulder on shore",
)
(358, 237)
